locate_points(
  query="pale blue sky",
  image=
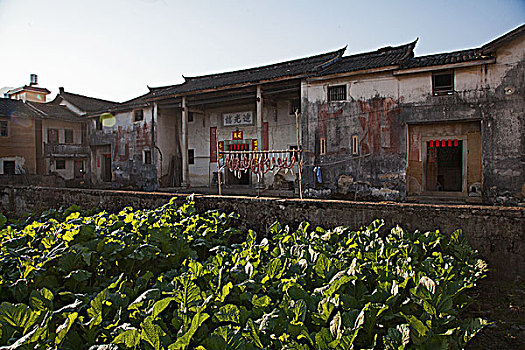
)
(112, 49)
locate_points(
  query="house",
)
(30, 92)
(20, 138)
(387, 125)
(381, 125)
(38, 138)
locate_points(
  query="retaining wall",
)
(496, 232)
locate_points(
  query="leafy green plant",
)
(172, 278)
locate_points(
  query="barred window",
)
(337, 93)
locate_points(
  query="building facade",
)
(381, 125)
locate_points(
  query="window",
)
(68, 136)
(99, 124)
(337, 93)
(147, 157)
(60, 164)
(9, 167)
(295, 105)
(190, 117)
(138, 115)
(322, 146)
(52, 136)
(3, 128)
(191, 156)
(443, 83)
(355, 144)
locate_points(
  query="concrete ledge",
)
(496, 232)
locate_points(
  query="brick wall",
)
(496, 232)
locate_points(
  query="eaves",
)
(226, 87)
(352, 73)
(445, 66)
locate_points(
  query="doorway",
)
(444, 170)
(106, 168)
(242, 177)
(79, 169)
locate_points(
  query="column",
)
(185, 165)
(259, 117)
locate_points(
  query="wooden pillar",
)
(259, 117)
(185, 165)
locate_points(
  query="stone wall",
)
(498, 233)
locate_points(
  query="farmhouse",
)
(381, 125)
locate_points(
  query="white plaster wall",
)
(281, 135)
(199, 141)
(508, 56)
(166, 139)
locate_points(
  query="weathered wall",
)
(19, 145)
(128, 141)
(371, 112)
(68, 173)
(380, 107)
(498, 233)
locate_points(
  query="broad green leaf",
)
(188, 293)
(41, 299)
(254, 334)
(160, 305)
(322, 266)
(184, 341)
(64, 328)
(151, 333)
(228, 313)
(261, 302)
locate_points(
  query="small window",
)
(337, 93)
(98, 124)
(355, 144)
(138, 115)
(52, 136)
(68, 136)
(322, 146)
(443, 83)
(295, 105)
(3, 128)
(147, 157)
(190, 117)
(60, 164)
(9, 167)
(191, 156)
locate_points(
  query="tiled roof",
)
(28, 88)
(384, 57)
(445, 58)
(290, 69)
(16, 108)
(85, 103)
(57, 112)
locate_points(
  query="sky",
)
(115, 49)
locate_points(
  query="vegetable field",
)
(172, 278)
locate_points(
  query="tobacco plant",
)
(172, 278)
